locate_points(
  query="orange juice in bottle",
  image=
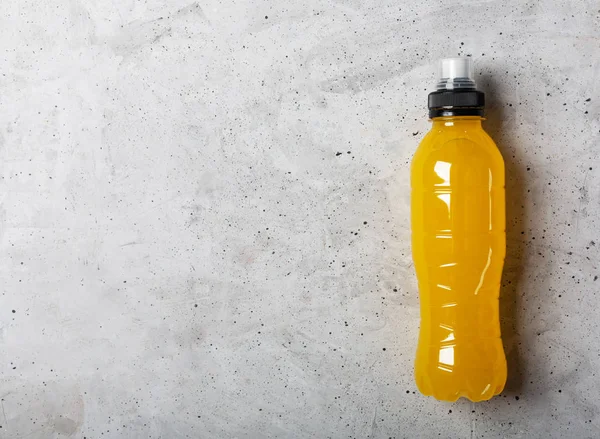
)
(458, 243)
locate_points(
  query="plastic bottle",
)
(458, 243)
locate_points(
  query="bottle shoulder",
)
(449, 141)
(465, 151)
(440, 135)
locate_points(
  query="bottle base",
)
(447, 395)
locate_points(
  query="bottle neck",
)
(457, 122)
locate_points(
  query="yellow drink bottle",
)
(458, 244)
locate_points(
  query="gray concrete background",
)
(204, 218)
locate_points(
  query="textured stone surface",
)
(204, 216)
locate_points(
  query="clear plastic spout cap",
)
(456, 73)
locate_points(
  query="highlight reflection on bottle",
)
(458, 243)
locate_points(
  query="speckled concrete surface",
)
(204, 227)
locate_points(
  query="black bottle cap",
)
(457, 102)
(456, 93)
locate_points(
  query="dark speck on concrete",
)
(337, 154)
(14, 311)
(414, 134)
(588, 99)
